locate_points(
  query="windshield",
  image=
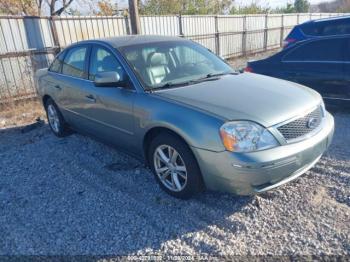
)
(174, 63)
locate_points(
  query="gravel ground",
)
(240, 63)
(77, 196)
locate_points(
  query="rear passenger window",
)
(340, 28)
(327, 28)
(321, 50)
(74, 62)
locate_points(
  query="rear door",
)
(318, 64)
(72, 85)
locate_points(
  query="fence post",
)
(56, 41)
(127, 25)
(298, 19)
(244, 36)
(217, 36)
(266, 32)
(134, 17)
(282, 30)
(181, 33)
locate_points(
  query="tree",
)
(106, 7)
(285, 10)
(64, 4)
(185, 7)
(301, 6)
(33, 7)
(342, 6)
(20, 7)
(253, 8)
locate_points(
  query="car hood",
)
(247, 96)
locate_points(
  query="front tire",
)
(174, 166)
(55, 119)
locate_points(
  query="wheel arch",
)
(45, 98)
(155, 131)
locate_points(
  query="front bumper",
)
(249, 173)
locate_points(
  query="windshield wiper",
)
(208, 77)
(220, 74)
(169, 85)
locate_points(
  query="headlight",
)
(246, 136)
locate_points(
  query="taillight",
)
(288, 41)
(248, 69)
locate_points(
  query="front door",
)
(109, 108)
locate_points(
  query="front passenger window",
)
(74, 62)
(103, 61)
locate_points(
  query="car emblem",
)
(311, 123)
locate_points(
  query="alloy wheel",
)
(53, 118)
(170, 168)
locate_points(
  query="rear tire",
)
(174, 166)
(55, 119)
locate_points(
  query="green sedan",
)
(195, 121)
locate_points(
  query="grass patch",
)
(18, 113)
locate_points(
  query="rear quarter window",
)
(56, 65)
(312, 29)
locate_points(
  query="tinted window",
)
(74, 62)
(57, 63)
(327, 28)
(312, 29)
(340, 28)
(321, 50)
(102, 61)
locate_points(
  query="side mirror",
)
(110, 79)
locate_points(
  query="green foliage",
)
(285, 10)
(185, 7)
(301, 6)
(253, 8)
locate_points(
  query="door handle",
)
(58, 87)
(91, 98)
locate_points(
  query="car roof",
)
(329, 19)
(128, 40)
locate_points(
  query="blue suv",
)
(320, 63)
(318, 28)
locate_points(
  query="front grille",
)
(302, 126)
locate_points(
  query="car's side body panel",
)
(328, 77)
(199, 129)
